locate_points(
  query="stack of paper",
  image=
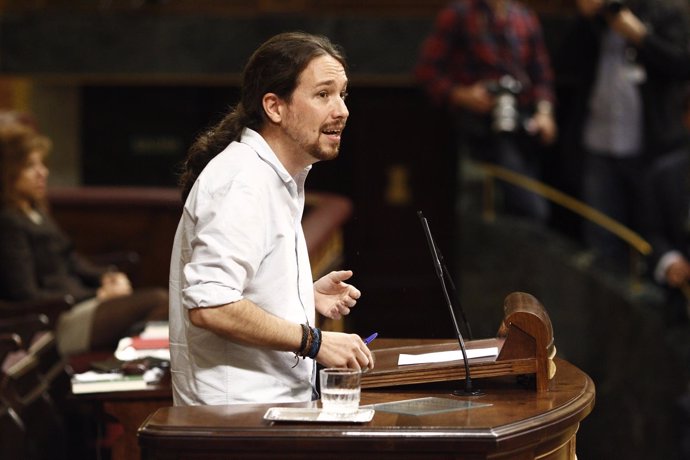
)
(152, 342)
(101, 382)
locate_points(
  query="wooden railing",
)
(109, 219)
(639, 247)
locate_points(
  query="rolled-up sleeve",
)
(228, 244)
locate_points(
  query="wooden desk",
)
(130, 409)
(520, 423)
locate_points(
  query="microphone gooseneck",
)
(455, 295)
(468, 390)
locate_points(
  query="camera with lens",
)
(505, 115)
(613, 6)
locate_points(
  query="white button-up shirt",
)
(240, 236)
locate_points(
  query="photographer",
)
(486, 62)
(628, 62)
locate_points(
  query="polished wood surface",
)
(388, 373)
(516, 423)
(104, 219)
(524, 345)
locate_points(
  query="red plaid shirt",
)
(469, 43)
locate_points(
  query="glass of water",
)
(340, 390)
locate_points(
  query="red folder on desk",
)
(150, 343)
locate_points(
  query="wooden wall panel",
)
(245, 7)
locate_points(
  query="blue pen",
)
(369, 339)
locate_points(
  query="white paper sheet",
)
(444, 356)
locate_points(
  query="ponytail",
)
(209, 144)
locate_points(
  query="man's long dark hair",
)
(273, 68)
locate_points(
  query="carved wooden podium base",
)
(525, 347)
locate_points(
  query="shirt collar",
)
(261, 147)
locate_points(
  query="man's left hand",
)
(333, 297)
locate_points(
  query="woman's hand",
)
(114, 284)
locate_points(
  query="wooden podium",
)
(509, 422)
(525, 347)
(525, 342)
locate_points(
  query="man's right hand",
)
(678, 273)
(344, 350)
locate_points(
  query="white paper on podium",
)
(444, 356)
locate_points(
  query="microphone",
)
(438, 266)
(449, 278)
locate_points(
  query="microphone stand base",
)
(466, 392)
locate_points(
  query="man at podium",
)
(242, 308)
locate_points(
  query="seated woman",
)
(39, 262)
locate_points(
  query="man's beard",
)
(321, 155)
(315, 150)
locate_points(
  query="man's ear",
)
(273, 107)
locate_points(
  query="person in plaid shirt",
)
(483, 59)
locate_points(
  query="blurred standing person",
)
(629, 61)
(486, 62)
(243, 303)
(667, 226)
(668, 230)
